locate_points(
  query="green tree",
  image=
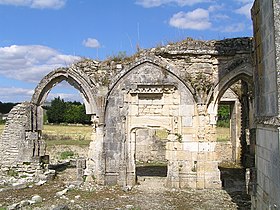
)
(223, 116)
(76, 113)
(6, 107)
(56, 111)
(67, 112)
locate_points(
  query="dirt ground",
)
(139, 197)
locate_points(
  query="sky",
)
(38, 36)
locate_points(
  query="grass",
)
(81, 135)
(223, 134)
(67, 135)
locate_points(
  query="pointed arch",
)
(157, 62)
(74, 77)
(242, 72)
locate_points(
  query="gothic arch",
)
(74, 77)
(151, 83)
(165, 66)
(241, 72)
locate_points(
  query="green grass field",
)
(80, 135)
(67, 134)
(223, 134)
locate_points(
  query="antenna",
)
(138, 36)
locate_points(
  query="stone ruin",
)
(160, 105)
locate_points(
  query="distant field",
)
(67, 134)
(72, 134)
(223, 134)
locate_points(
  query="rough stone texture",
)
(265, 16)
(20, 145)
(176, 88)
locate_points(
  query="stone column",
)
(95, 161)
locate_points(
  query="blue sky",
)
(38, 36)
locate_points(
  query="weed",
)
(66, 154)
(179, 137)
(161, 134)
(12, 172)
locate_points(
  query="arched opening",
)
(146, 122)
(67, 140)
(235, 92)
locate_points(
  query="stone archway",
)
(149, 96)
(23, 129)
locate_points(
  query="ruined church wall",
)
(20, 146)
(265, 16)
(139, 101)
(149, 96)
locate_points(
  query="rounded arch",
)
(77, 79)
(242, 72)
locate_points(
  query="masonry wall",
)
(174, 87)
(265, 16)
(20, 145)
(150, 97)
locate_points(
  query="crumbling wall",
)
(20, 146)
(174, 87)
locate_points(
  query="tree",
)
(76, 113)
(6, 107)
(223, 116)
(67, 112)
(56, 111)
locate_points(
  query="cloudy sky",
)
(38, 36)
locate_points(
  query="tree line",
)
(5, 108)
(60, 111)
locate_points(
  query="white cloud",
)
(245, 10)
(157, 3)
(31, 62)
(65, 97)
(234, 28)
(13, 94)
(215, 7)
(196, 20)
(220, 17)
(91, 43)
(39, 4)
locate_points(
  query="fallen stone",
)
(127, 188)
(71, 186)
(37, 199)
(24, 203)
(13, 206)
(77, 197)
(129, 206)
(61, 193)
(19, 185)
(41, 182)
